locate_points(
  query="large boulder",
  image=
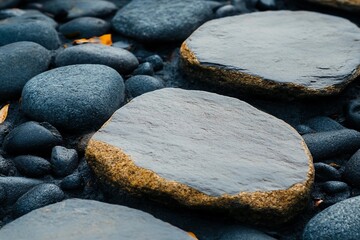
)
(86, 219)
(78, 97)
(205, 151)
(289, 54)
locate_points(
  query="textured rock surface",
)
(121, 60)
(85, 27)
(272, 59)
(170, 20)
(340, 221)
(77, 97)
(16, 187)
(201, 150)
(19, 62)
(84, 219)
(350, 5)
(21, 29)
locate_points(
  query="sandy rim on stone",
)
(350, 5)
(258, 85)
(113, 166)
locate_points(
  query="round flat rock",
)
(290, 53)
(85, 219)
(204, 150)
(350, 5)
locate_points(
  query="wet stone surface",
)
(185, 160)
(273, 62)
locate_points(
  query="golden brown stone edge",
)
(350, 5)
(114, 167)
(252, 84)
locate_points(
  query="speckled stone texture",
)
(340, 221)
(350, 5)
(85, 219)
(166, 21)
(290, 54)
(207, 151)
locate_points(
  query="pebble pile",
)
(193, 119)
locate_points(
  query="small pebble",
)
(32, 137)
(352, 170)
(226, 11)
(84, 27)
(352, 113)
(37, 197)
(7, 167)
(32, 166)
(63, 161)
(140, 84)
(304, 129)
(324, 124)
(332, 143)
(155, 61)
(265, 5)
(144, 69)
(16, 187)
(72, 182)
(325, 172)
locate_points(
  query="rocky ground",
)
(192, 119)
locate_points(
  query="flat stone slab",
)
(290, 53)
(86, 219)
(204, 151)
(349, 5)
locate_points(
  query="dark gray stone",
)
(352, 170)
(331, 192)
(304, 129)
(121, 60)
(324, 124)
(140, 84)
(265, 5)
(7, 167)
(15, 187)
(84, 27)
(72, 182)
(352, 113)
(71, 9)
(172, 20)
(324, 172)
(31, 15)
(63, 161)
(2, 195)
(340, 221)
(86, 219)
(32, 137)
(332, 143)
(144, 69)
(271, 59)
(78, 97)
(37, 197)
(156, 62)
(244, 233)
(242, 5)
(21, 29)
(12, 12)
(32, 166)
(19, 62)
(226, 11)
(8, 3)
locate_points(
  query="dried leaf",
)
(104, 39)
(192, 235)
(3, 113)
(335, 165)
(317, 202)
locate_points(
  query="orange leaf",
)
(104, 39)
(3, 113)
(192, 235)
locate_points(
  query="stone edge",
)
(248, 83)
(114, 167)
(348, 5)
